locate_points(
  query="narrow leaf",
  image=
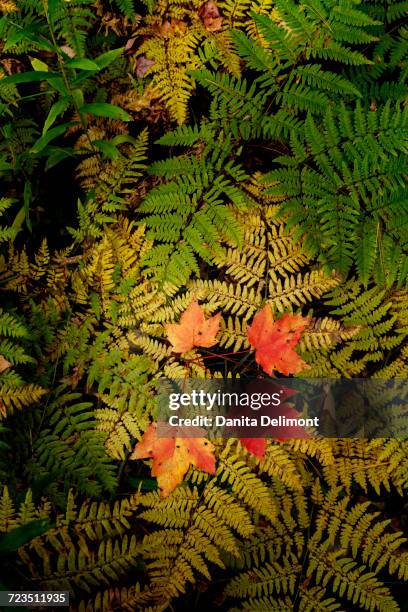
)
(82, 63)
(11, 541)
(29, 76)
(107, 58)
(107, 148)
(56, 109)
(103, 109)
(42, 142)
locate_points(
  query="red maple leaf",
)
(257, 446)
(274, 341)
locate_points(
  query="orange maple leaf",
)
(193, 329)
(274, 341)
(173, 456)
(4, 364)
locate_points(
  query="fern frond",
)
(173, 58)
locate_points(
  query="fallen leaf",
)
(142, 66)
(257, 446)
(129, 43)
(210, 16)
(274, 341)
(178, 26)
(68, 51)
(167, 28)
(4, 364)
(172, 457)
(193, 329)
(12, 66)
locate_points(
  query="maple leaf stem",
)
(209, 354)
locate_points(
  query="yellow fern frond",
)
(173, 56)
(295, 291)
(8, 6)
